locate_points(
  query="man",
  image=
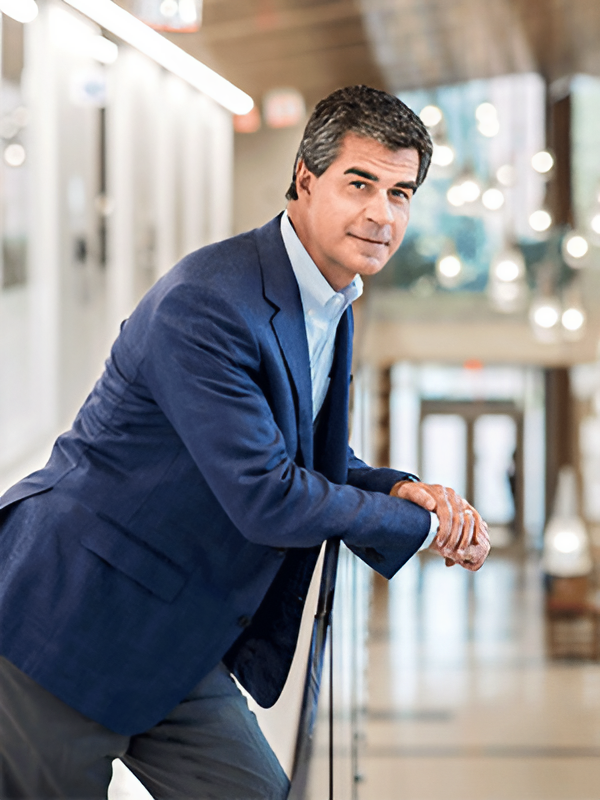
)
(171, 537)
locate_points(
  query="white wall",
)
(169, 158)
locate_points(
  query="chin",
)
(369, 266)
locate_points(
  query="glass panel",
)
(444, 451)
(440, 225)
(494, 442)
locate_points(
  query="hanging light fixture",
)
(546, 313)
(15, 155)
(465, 190)
(449, 268)
(431, 116)
(541, 220)
(454, 196)
(543, 162)
(544, 317)
(506, 175)
(575, 247)
(573, 317)
(508, 266)
(493, 198)
(443, 155)
(471, 189)
(507, 289)
(486, 115)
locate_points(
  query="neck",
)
(337, 278)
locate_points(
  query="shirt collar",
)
(316, 292)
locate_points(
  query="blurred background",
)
(134, 132)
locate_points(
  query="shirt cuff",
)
(435, 524)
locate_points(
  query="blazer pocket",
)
(132, 558)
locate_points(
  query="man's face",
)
(352, 218)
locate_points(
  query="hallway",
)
(462, 701)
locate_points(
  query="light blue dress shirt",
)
(323, 309)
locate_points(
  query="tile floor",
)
(463, 703)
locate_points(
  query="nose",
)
(379, 209)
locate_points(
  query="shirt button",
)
(244, 621)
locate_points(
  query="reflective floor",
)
(462, 700)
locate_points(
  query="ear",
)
(304, 178)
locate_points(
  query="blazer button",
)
(244, 621)
(281, 551)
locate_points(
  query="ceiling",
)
(319, 45)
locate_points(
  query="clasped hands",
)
(462, 536)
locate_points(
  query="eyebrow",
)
(363, 174)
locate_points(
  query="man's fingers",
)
(462, 536)
(444, 514)
(475, 557)
(481, 532)
(417, 493)
(456, 505)
(468, 530)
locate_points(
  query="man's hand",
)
(462, 536)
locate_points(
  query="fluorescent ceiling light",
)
(21, 10)
(131, 30)
(103, 50)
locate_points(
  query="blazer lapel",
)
(281, 290)
(331, 441)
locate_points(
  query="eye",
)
(358, 184)
(400, 194)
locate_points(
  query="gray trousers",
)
(209, 746)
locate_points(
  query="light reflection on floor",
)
(462, 701)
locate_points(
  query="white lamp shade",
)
(566, 548)
(566, 543)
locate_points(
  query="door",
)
(477, 449)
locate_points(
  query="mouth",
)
(383, 242)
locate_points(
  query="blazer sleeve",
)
(374, 479)
(202, 365)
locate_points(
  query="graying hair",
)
(366, 112)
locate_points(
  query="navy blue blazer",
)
(179, 520)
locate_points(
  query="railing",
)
(330, 729)
(312, 683)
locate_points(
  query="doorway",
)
(477, 448)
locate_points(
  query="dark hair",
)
(367, 112)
